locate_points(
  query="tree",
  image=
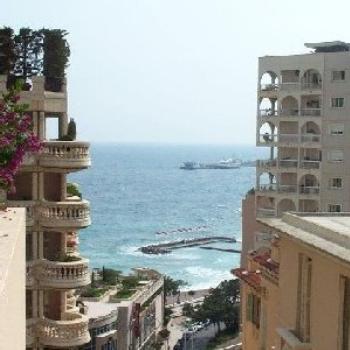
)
(188, 310)
(221, 305)
(28, 50)
(7, 51)
(171, 286)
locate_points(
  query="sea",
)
(137, 191)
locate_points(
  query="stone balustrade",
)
(71, 332)
(57, 274)
(29, 273)
(30, 331)
(72, 214)
(147, 291)
(65, 154)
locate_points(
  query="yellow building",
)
(296, 294)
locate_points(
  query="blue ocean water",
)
(138, 190)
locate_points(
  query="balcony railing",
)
(71, 332)
(29, 273)
(66, 154)
(265, 212)
(286, 112)
(268, 112)
(269, 87)
(291, 341)
(267, 188)
(310, 138)
(268, 163)
(268, 138)
(56, 274)
(288, 138)
(146, 293)
(309, 189)
(65, 214)
(312, 112)
(311, 86)
(30, 331)
(294, 85)
(287, 188)
(288, 163)
(310, 164)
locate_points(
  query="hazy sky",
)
(174, 71)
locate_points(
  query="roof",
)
(265, 260)
(99, 309)
(328, 46)
(253, 278)
(323, 231)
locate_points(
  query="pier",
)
(165, 248)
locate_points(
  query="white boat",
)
(222, 164)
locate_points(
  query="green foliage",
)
(191, 293)
(171, 286)
(56, 54)
(188, 310)
(130, 282)
(220, 338)
(164, 333)
(110, 276)
(73, 190)
(7, 50)
(68, 258)
(221, 305)
(167, 313)
(125, 293)
(92, 292)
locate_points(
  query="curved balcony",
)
(71, 332)
(311, 138)
(65, 154)
(75, 214)
(67, 275)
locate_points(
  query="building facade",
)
(302, 117)
(296, 295)
(54, 268)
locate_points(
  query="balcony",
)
(288, 139)
(67, 275)
(74, 214)
(266, 164)
(28, 205)
(268, 113)
(269, 87)
(267, 188)
(267, 139)
(290, 86)
(288, 163)
(265, 212)
(71, 332)
(310, 164)
(289, 112)
(65, 154)
(310, 112)
(287, 188)
(310, 138)
(311, 86)
(309, 190)
(291, 341)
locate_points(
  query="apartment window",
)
(334, 208)
(338, 102)
(345, 316)
(336, 156)
(336, 182)
(336, 129)
(338, 75)
(253, 309)
(304, 298)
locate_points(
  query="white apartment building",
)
(303, 116)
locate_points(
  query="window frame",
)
(337, 100)
(334, 205)
(342, 75)
(331, 186)
(335, 160)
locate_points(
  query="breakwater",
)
(165, 248)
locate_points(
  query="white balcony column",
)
(63, 187)
(41, 245)
(35, 245)
(42, 126)
(35, 308)
(35, 118)
(35, 186)
(41, 303)
(41, 186)
(63, 124)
